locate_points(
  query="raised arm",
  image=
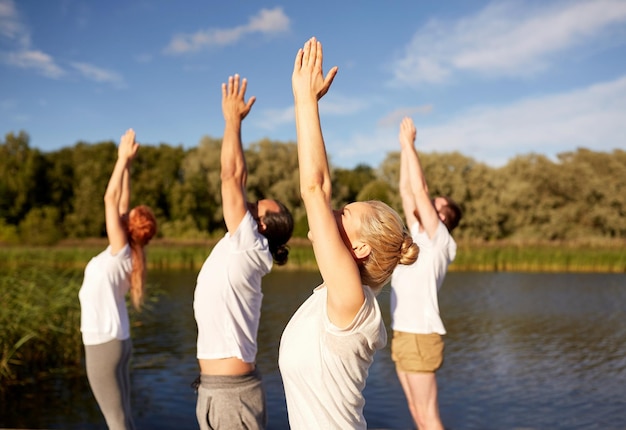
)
(117, 194)
(234, 173)
(406, 191)
(336, 264)
(413, 178)
(124, 205)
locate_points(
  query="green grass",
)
(609, 257)
(606, 256)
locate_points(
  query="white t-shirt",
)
(414, 303)
(228, 297)
(324, 368)
(102, 297)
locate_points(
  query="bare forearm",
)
(115, 186)
(124, 204)
(233, 163)
(313, 161)
(405, 181)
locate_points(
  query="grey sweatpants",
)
(108, 373)
(231, 402)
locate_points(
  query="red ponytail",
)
(142, 226)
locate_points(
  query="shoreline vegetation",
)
(598, 256)
(40, 314)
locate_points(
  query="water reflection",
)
(523, 351)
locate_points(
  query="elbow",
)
(406, 193)
(111, 198)
(317, 186)
(231, 173)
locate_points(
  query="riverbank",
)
(606, 256)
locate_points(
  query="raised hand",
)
(234, 106)
(308, 79)
(407, 133)
(128, 147)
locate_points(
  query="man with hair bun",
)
(227, 299)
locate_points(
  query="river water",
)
(523, 352)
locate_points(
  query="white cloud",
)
(265, 22)
(591, 117)
(394, 118)
(36, 60)
(330, 105)
(270, 119)
(337, 105)
(10, 25)
(510, 38)
(98, 74)
(23, 55)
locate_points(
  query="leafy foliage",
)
(48, 196)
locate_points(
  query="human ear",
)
(362, 250)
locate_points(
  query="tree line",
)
(49, 196)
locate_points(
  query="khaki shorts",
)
(414, 353)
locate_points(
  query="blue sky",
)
(488, 79)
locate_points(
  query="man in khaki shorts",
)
(417, 345)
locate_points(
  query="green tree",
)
(41, 226)
(154, 172)
(60, 180)
(348, 183)
(595, 188)
(93, 164)
(375, 190)
(273, 172)
(196, 193)
(22, 178)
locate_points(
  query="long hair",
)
(390, 244)
(142, 226)
(278, 230)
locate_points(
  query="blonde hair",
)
(142, 226)
(390, 243)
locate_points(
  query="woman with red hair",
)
(109, 276)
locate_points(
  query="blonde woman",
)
(109, 276)
(329, 343)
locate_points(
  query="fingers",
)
(128, 134)
(128, 138)
(317, 53)
(242, 88)
(330, 76)
(128, 147)
(298, 62)
(250, 103)
(307, 52)
(235, 86)
(408, 131)
(234, 104)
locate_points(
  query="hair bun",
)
(409, 250)
(142, 225)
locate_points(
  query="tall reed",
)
(40, 318)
